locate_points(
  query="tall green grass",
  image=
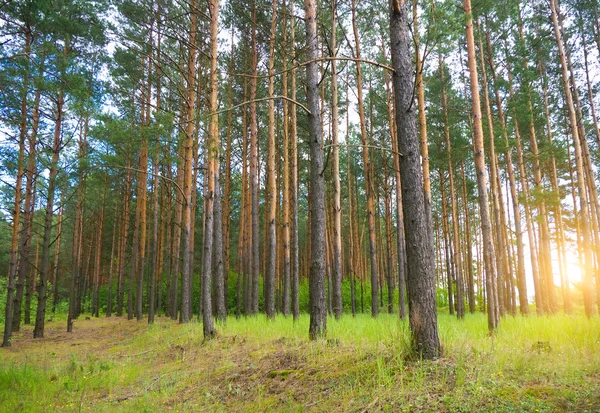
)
(548, 363)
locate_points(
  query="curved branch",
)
(321, 59)
(261, 100)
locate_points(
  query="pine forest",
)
(188, 188)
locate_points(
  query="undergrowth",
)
(549, 364)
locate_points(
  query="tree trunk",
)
(74, 295)
(460, 308)
(213, 175)
(98, 257)
(114, 243)
(482, 184)
(295, 263)
(419, 241)
(318, 309)
(369, 184)
(188, 182)
(38, 331)
(13, 254)
(337, 208)
(521, 282)
(271, 181)
(28, 214)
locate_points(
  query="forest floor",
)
(537, 364)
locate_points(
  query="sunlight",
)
(573, 271)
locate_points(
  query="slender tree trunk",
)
(422, 116)
(497, 201)
(74, 295)
(188, 182)
(55, 265)
(38, 331)
(13, 254)
(460, 308)
(419, 240)
(351, 222)
(213, 176)
(521, 282)
(98, 257)
(254, 182)
(295, 263)
(587, 273)
(123, 241)
(227, 192)
(155, 240)
(142, 194)
(486, 225)
(287, 107)
(337, 208)
(218, 274)
(445, 234)
(271, 181)
(26, 235)
(109, 296)
(318, 309)
(398, 195)
(369, 184)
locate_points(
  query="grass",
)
(537, 364)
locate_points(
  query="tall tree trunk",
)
(76, 256)
(271, 181)
(318, 308)
(533, 251)
(98, 256)
(254, 182)
(400, 247)
(482, 184)
(226, 209)
(422, 116)
(13, 254)
(521, 282)
(38, 331)
(123, 240)
(218, 274)
(587, 273)
(351, 215)
(287, 107)
(450, 279)
(295, 263)
(369, 184)
(188, 182)
(114, 245)
(337, 208)
(419, 240)
(460, 308)
(497, 201)
(28, 212)
(55, 265)
(155, 240)
(213, 176)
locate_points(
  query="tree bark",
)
(188, 182)
(271, 178)
(482, 184)
(318, 308)
(213, 175)
(38, 331)
(419, 241)
(369, 184)
(13, 253)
